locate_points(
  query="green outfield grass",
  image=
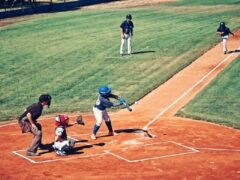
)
(71, 54)
(219, 101)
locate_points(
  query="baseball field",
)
(176, 80)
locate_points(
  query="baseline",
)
(188, 91)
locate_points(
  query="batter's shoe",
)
(112, 134)
(225, 52)
(29, 153)
(93, 137)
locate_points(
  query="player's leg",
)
(98, 116)
(37, 139)
(121, 47)
(108, 123)
(129, 45)
(225, 50)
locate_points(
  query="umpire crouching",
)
(28, 123)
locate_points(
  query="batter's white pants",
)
(224, 40)
(100, 115)
(127, 37)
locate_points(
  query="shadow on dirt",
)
(234, 51)
(134, 130)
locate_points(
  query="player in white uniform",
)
(126, 29)
(100, 111)
(62, 145)
(224, 32)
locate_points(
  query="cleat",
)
(112, 134)
(29, 153)
(93, 137)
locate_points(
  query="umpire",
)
(28, 123)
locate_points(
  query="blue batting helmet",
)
(104, 91)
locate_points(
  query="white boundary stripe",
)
(9, 124)
(161, 157)
(189, 90)
(25, 157)
(67, 159)
(115, 155)
(191, 151)
(53, 160)
(218, 149)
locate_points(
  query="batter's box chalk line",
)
(189, 150)
(65, 158)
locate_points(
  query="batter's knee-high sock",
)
(95, 129)
(109, 126)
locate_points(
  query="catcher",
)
(62, 145)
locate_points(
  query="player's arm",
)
(114, 96)
(219, 32)
(132, 28)
(122, 33)
(231, 32)
(29, 116)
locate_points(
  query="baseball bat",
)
(125, 104)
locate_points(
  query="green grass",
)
(219, 101)
(71, 54)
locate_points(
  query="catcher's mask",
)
(61, 120)
(45, 98)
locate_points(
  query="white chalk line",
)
(184, 94)
(65, 158)
(218, 149)
(191, 151)
(25, 157)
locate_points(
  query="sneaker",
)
(29, 153)
(61, 153)
(225, 52)
(112, 134)
(93, 137)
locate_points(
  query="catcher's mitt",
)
(79, 120)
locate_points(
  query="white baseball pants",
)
(100, 115)
(127, 37)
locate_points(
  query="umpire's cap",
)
(129, 16)
(45, 97)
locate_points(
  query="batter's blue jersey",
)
(102, 103)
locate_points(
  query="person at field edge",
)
(28, 123)
(224, 32)
(126, 29)
(62, 145)
(100, 112)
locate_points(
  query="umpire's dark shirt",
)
(35, 110)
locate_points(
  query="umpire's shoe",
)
(29, 153)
